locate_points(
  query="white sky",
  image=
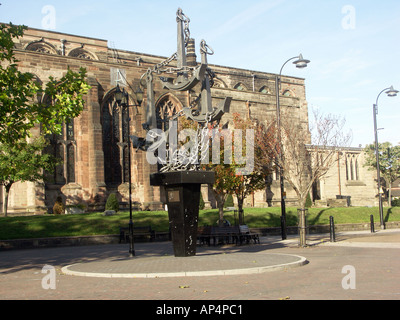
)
(352, 44)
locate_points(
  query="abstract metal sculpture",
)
(180, 174)
(187, 77)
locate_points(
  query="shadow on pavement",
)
(19, 260)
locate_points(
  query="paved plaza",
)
(358, 265)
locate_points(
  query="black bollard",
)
(372, 223)
(332, 229)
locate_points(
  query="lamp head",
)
(392, 92)
(118, 95)
(301, 62)
(139, 95)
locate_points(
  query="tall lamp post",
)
(300, 63)
(122, 99)
(391, 92)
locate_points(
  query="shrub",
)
(112, 202)
(58, 207)
(201, 203)
(396, 202)
(229, 201)
(308, 201)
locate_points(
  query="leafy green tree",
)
(223, 185)
(389, 163)
(19, 109)
(23, 161)
(24, 104)
(17, 89)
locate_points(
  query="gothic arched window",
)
(165, 109)
(63, 147)
(115, 142)
(240, 86)
(218, 83)
(288, 93)
(81, 54)
(265, 89)
(42, 47)
(352, 167)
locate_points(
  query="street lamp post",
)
(300, 63)
(122, 99)
(391, 92)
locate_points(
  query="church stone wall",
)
(47, 53)
(348, 177)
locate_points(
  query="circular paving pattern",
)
(199, 265)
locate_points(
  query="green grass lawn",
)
(98, 224)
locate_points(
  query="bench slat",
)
(137, 231)
(234, 234)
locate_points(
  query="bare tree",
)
(306, 155)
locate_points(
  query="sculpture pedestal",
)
(183, 195)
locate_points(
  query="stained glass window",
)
(70, 163)
(115, 142)
(165, 110)
(63, 147)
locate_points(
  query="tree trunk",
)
(302, 222)
(5, 205)
(220, 204)
(221, 215)
(302, 227)
(240, 209)
(388, 184)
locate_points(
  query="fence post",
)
(332, 229)
(372, 223)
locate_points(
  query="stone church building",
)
(94, 146)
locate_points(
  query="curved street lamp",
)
(300, 63)
(391, 92)
(122, 100)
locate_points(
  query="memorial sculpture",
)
(180, 171)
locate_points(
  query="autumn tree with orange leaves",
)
(244, 172)
(246, 184)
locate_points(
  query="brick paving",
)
(377, 272)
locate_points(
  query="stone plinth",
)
(183, 195)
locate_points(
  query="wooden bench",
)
(247, 235)
(204, 235)
(225, 234)
(137, 231)
(232, 234)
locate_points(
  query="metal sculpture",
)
(187, 77)
(182, 179)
